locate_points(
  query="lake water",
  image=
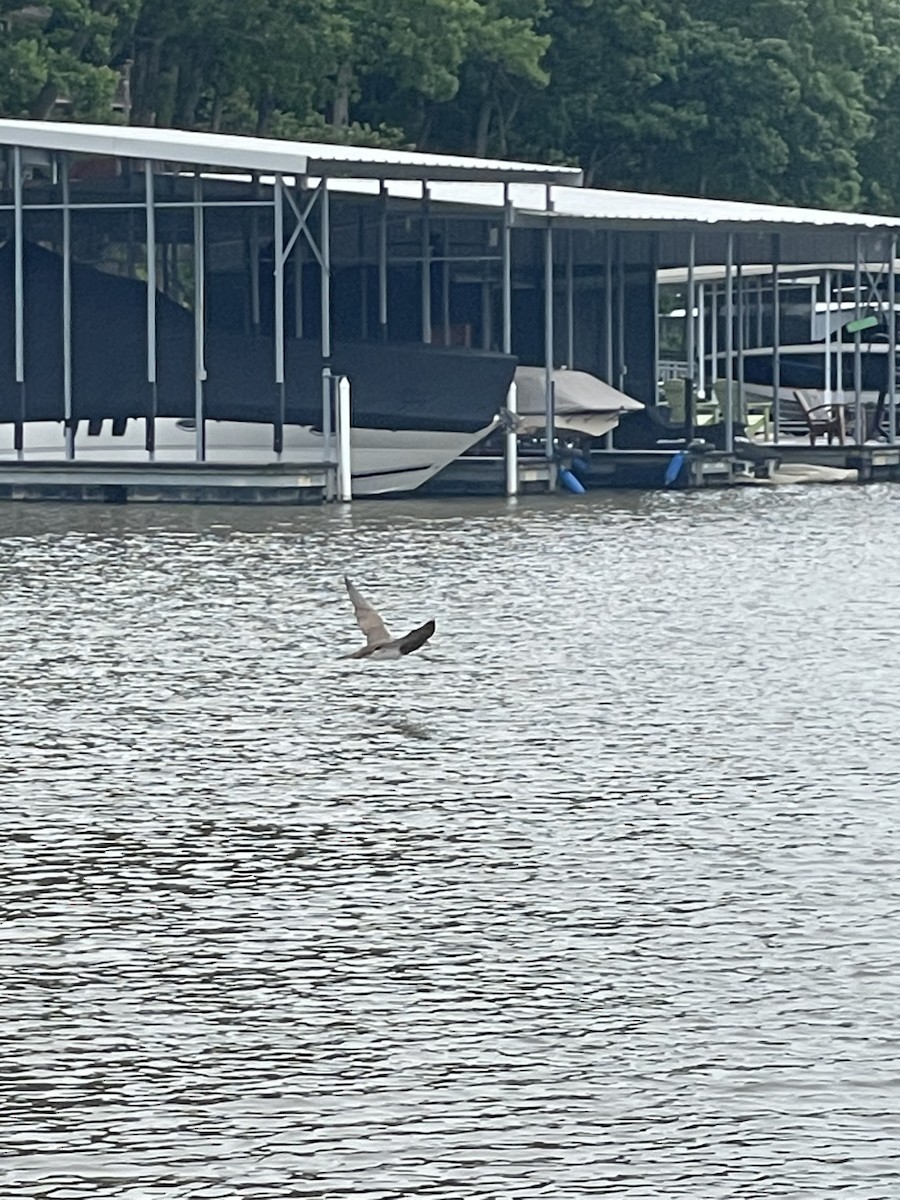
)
(595, 896)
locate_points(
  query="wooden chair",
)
(822, 420)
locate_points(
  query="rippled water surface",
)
(598, 895)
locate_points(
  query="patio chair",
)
(822, 420)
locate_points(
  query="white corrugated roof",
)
(618, 210)
(576, 205)
(231, 152)
(454, 179)
(626, 207)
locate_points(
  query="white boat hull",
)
(383, 460)
(806, 367)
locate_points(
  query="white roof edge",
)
(595, 207)
(471, 182)
(590, 204)
(236, 152)
(798, 273)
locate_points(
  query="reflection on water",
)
(595, 896)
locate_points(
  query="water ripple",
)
(594, 896)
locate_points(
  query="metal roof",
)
(667, 211)
(536, 190)
(231, 152)
(575, 206)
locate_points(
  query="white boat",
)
(809, 365)
(821, 363)
(383, 460)
(414, 408)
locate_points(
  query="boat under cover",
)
(394, 386)
(583, 403)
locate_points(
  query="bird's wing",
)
(416, 638)
(366, 617)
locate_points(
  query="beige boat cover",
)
(584, 403)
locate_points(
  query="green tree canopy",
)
(62, 53)
(792, 100)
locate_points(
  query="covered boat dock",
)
(281, 245)
(160, 279)
(581, 271)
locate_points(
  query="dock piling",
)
(512, 441)
(344, 460)
(512, 446)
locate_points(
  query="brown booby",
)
(379, 643)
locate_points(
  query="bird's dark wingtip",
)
(416, 638)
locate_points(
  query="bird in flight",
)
(379, 643)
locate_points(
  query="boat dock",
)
(192, 483)
(874, 463)
(198, 317)
(485, 475)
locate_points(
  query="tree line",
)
(794, 101)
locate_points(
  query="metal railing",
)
(672, 369)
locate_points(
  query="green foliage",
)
(62, 52)
(23, 71)
(785, 100)
(770, 99)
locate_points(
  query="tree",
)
(784, 83)
(790, 100)
(605, 106)
(771, 100)
(232, 64)
(68, 51)
(436, 68)
(502, 68)
(879, 155)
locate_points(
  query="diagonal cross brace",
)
(302, 225)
